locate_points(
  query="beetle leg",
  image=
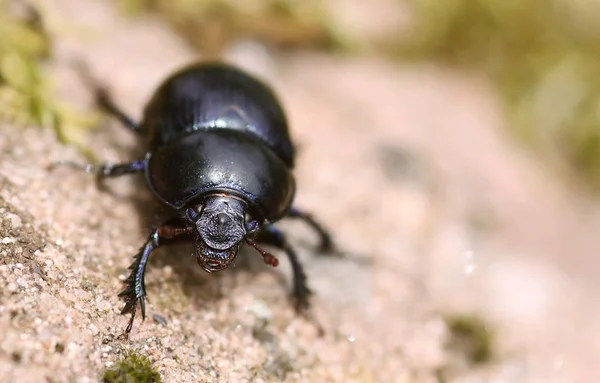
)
(135, 289)
(105, 102)
(116, 170)
(270, 235)
(103, 98)
(106, 170)
(326, 244)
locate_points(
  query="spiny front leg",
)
(135, 289)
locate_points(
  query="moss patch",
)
(132, 368)
(24, 47)
(470, 337)
(26, 94)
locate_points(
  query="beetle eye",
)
(192, 214)
(252, 226)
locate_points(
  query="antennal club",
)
(269, 258)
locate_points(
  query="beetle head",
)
(220, 226)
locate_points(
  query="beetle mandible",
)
(220, 157)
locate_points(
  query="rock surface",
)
(409, 168)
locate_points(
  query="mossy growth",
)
(26, 97)
(24, 46)
(470, 337)
(210, 25)
(132, 368)
(543, 55)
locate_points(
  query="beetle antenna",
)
(269, 258)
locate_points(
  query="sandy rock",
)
(407, 166)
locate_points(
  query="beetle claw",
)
(301, 305)
(302, 308)
(135, 291)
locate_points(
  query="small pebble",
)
(168, 271)
(169, 363)
(15, 221)
(260, 310)
(94, 329)
(12, 287)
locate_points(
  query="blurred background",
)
(456, 143)
(540, 57)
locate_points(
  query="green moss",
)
(542, 55)
(24, 46)
(132, 368)
(470, 337)
(26, 96)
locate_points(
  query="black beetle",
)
(219, 155)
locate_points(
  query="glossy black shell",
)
(212, 128)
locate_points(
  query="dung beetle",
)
(220, 157)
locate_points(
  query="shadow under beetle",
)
(220, 156)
